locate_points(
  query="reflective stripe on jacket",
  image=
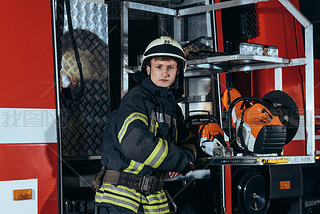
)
(131, 199)
(149, 138)
(150, 131)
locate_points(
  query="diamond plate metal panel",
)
(83, 121)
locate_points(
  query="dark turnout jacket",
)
(149, 137)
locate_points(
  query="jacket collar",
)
(156, 90)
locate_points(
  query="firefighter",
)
(147, 137)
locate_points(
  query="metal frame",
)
(212, 63)
(309, 73)
(213, 7)
(57, 92)
(176, 13)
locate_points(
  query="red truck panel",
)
(28, 161)
(26, 56)
(27, 81)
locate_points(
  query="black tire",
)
(252, 194)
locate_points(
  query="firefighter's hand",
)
(192, 165)
(174, 174)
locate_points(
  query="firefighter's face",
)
(162, 72)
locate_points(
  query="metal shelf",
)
(253, 160)
(239, 62)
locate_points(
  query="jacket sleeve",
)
(137, 138)
(187, 140)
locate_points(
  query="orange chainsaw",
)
(211, 137)
(260, 126)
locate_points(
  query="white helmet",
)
(167, 47)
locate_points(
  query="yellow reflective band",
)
(140, 167)
(155, 198)
(134, 116)
(130, 190)
(158, 154)
(134, 167)
(121, 190)
(117, 200)
(156, 128)
(155, 206)
(162, 208)
(189, 136)
(193, 148)
(130, 167)
(163, 155)
(159, 194)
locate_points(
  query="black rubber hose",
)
(76, 53)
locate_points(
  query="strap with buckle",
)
(144, 183)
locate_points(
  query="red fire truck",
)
(59, 83)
